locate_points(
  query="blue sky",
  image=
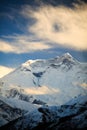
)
(41, 29)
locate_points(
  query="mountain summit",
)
(66, 59)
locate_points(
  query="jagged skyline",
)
(40, 29)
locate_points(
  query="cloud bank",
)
(62, 25)
(53, 26)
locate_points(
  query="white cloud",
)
(61, 25)
(21, 45)
(5, 70)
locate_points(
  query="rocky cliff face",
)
(72, 115)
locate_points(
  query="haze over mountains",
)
(43, 83)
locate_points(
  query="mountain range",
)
(50, 93)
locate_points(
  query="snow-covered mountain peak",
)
(27, 63)
(50, 82)
(46, 80)
(65, 58)
(67, 55)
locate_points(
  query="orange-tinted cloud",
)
(61, 25)
(5, 70)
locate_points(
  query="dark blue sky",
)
(22, 36)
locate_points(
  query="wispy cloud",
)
(5, 46)
(61, 25)
(83, 85)
(22, 45)
(41, 90)
(5, 70)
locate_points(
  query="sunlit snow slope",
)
(52, 82)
